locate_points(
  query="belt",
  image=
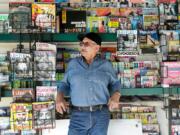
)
(89, 108)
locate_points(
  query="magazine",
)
(4, 123)
(45, 64)
(44, 16)
(150, 22)
(151, 128)
(113, 24)
(9, 132)
(72, 21)
(21, 64)
(148, 39)
(40, 46)
(19, 16)
(127, 41)
(97, 24)
(170, 73)
(30, 132)
(46, 93)
(4, 23)
(148, 81)
(44, 115)
(23, 95)
(4, 111)
(21, 116)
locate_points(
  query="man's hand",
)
(114, 101)
(61, 104)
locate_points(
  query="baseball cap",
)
(92, 36)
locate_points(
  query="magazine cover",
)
(146, 109)
(136, 22)
(44, 16)
(103, 11)
(169, 42)
(175, 129)
(4, 123)
(148, 39)
(4, 23)
(40, 46)
(150, 22)
(31, 132)
(23, 95)
(126, 12)
(137, 3)
(150, 11)
(21, 116)
(9, 132)
(148, 81)
(125, 23)
(168, 12)
(170, 73)
(21, 65)
(45, 1)
(19, 16)
(44, 115)
(46, 93)
(97, 24)
(3, 57)
(174, 47)
(121, 3)
(127, 41)
(113, 24)
(4, 111)
(21, 1)
(72, 21)
(151, 128)
(45, 64)
(151, 3)
(128, 78)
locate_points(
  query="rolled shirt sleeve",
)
(114, 84)
(64, 85)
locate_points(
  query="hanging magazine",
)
(44, 16)
(21, 65)
(45, 65)
(4, 23)
(23, 95)
(46, 93)
(44, 115)
(21, 116)
(127, 42)
(19, 16)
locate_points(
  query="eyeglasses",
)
(86, 44)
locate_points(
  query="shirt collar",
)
(95, 58)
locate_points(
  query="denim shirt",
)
(89, 84)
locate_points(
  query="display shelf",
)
(130, 92)
(144, 91)
(55, 37)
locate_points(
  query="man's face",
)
(88, 48)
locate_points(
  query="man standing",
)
(94, 89)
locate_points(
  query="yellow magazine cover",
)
(44, 16)
(174, 47)
(21, 116)
(151, 22)
(97, 24)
